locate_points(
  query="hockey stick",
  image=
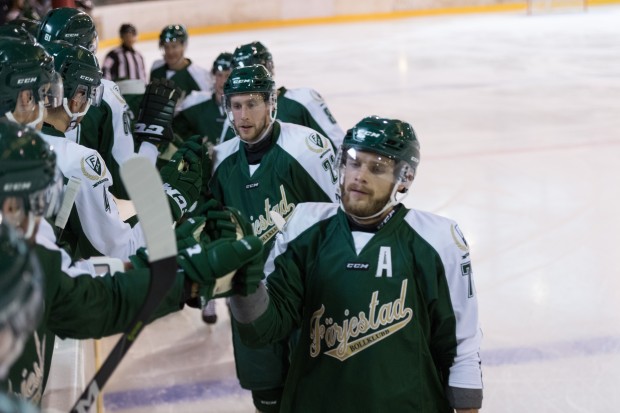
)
(144, 186)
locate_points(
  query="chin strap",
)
(74, 116)
(34, 123)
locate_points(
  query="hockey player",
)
(30, 84)
(202, 113)
(271, 166)
(384, 295)
(78, 305)
(95, 226)
(186, 75)
(105, 128)
(302, 106)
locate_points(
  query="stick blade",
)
(144, 186)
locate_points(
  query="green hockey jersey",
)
(387, 319)
(78, 306)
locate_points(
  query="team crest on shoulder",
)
(459, 238)
(315, 143)
(93, 167)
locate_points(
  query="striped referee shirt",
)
(124, 63)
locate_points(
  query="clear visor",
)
(51, 93)
(370, 183)
(46, 202)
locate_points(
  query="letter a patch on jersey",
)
(385, 262)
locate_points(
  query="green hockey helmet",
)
(376, 150)
(249, 79)
(254, 53)
(81, 75)
(222, 63)
(27, 79)
(173, 33)
(30, 183)
(21, 295)
(30, 25)
(389, 137)
(14, 31)
(68, 24)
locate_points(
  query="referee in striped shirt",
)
(125, 62)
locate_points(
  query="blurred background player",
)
(202, 113)
(384, 295)
(125, 62)
(270, 166)
(302, 106)
(188, 76)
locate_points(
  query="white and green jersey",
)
(388, 319)
(94, 226)
(107, 129)
(297, 168)
(305, 106)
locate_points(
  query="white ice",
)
(519, 123)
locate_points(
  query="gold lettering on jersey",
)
(31, 386)
(263, 226)
(380, 322)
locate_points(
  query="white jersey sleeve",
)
(97, 211)
(447, 239)
(316, 105)
(314, 152)
(123, 147)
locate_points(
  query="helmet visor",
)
(370, 182)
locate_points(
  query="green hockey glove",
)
(219, 221)
(154, 122)
(190, 232)
(212, 265)
(182, 177)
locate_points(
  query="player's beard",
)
(366, 207)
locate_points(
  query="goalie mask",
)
(28, 82)
(21, 295)
(68, 24)
(254, 53)
(377, 164)
(31, 187)
(245, 91)
(81, 77)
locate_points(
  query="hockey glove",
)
(190, 233)
(182, 177)
(213, 265)
(219, 221)
(154, 122)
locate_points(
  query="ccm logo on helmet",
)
(358, 266)
(361, 134)
(16, 186)
(26, 80)
(87, 78)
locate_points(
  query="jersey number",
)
(328, 165)
(466, 272)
